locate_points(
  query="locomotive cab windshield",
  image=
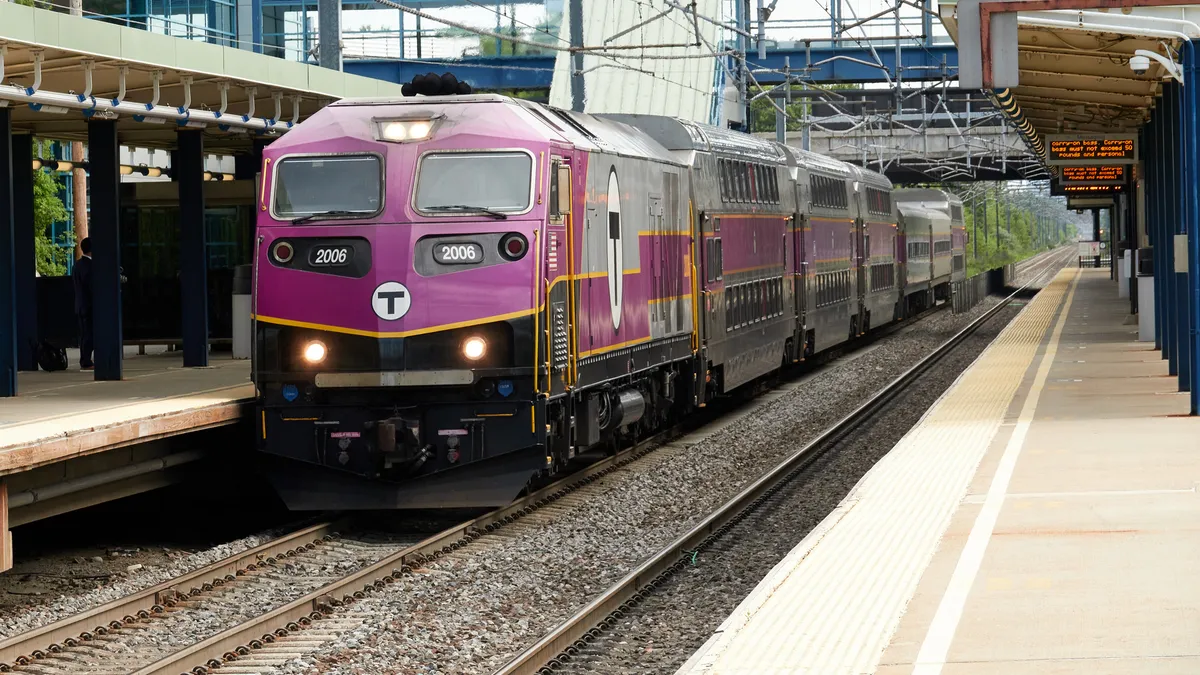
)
(499, 182)
(328, 186)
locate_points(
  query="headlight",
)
(314, 352)
(474, 348)
(399, 131)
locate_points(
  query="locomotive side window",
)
(459, 182)
(328, 186)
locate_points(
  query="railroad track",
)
(1039, 264)
(127, 635)
(572, 638)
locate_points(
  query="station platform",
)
(68, 414)
(1040, 519)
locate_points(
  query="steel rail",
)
(241, 640)
(606, 610)
(28, 647)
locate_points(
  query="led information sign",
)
(1094, 175)
(1081, 149)
(1058, 189)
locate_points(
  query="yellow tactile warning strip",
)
(830, 606)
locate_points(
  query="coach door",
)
(800, 262)
(862, 255)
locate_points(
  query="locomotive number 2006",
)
(330, 256)
(458, 253)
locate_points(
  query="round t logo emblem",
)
(391, 300)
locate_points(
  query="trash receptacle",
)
(242, 332)
(1145, 294)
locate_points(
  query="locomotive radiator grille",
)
(560, 350)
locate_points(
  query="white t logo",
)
(391, 300)
(616, 256)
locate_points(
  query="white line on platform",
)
(938, 639)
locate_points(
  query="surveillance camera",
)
(1139, 64)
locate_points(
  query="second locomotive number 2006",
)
(458, 253)
(330, 256)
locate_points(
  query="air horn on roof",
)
(431, 84)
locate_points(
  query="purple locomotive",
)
(457, 294)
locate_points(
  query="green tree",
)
(51, 257)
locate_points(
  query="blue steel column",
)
(256, 8)
(1149, 149)
(26, 283)
(104, 229)
(1160, 328)
(8, 275)
(1192, 163)
(1183, 349)
(192, 248)
(1180, 227)
(1167, 228)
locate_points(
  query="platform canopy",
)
(57, 71)
(1073, 58)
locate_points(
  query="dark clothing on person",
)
(82, 276)
(85, 341)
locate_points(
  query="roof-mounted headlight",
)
(405, 130)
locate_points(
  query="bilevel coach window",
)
(329, 186)
(450, 182)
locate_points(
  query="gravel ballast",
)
(472, 611)
(662, 632)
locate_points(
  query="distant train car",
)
(938, 235)
(457, 294)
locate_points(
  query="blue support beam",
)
(1191, 154)
(1179, 227)
(193, 254)
(833, 64)
(104, 230)
(8, 257)
(26, 264)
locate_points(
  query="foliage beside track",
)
(1005, 226)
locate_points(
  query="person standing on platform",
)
(81, 274)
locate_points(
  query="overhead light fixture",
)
(193, 124)
(37, 164)
(126, 170)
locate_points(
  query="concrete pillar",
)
(104, 166)
(8, 272)
(26, 264)
(329, 33)
(193, 264)
(575, 17)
